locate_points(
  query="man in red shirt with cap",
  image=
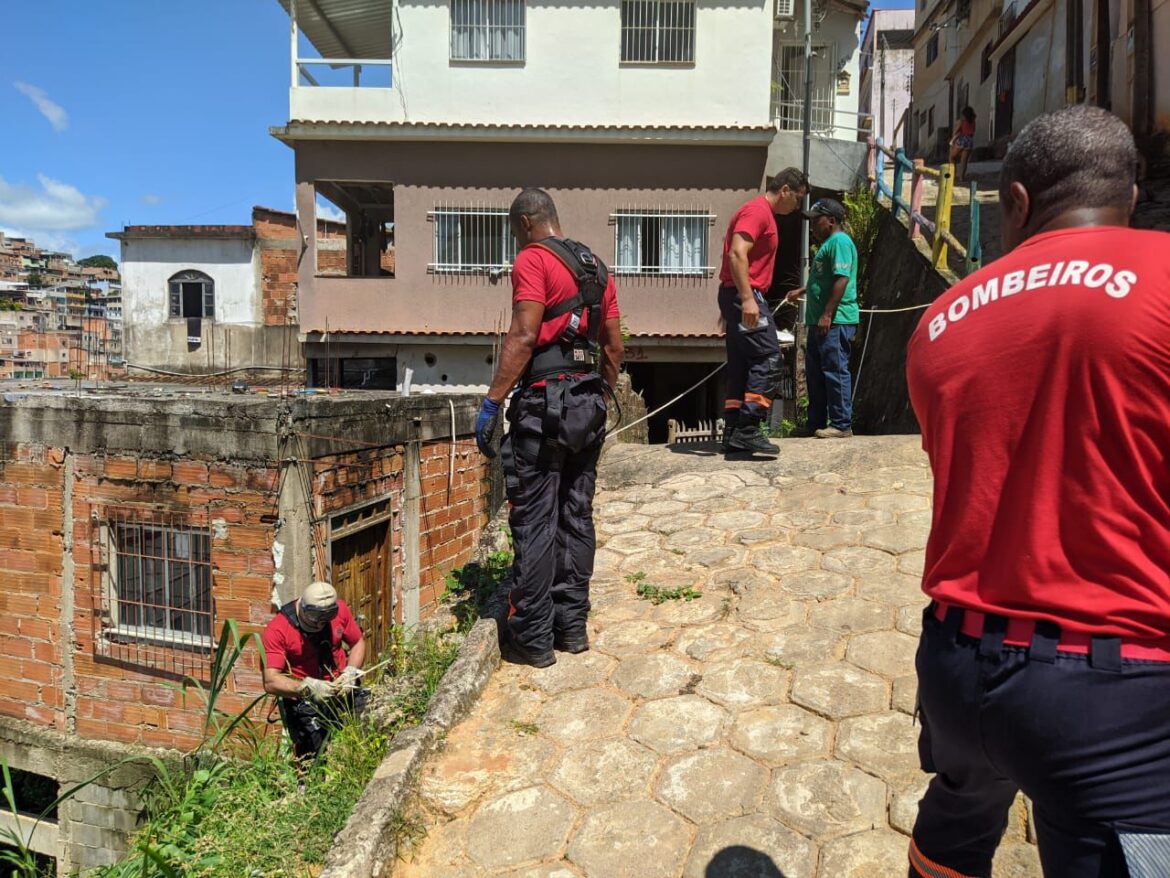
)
(564, 349)
(1042, 385)
(753, 351)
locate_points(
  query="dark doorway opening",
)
(659, 382)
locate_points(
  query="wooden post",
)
(899, 173)
(871, 162)
(916, 184)
(942, 218)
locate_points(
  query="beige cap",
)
(319, 596)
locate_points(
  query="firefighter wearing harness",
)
(563, 349)
(313, 652)
(1042, 385)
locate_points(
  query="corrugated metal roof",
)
(345, 28)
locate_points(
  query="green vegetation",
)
(469, 588)
(525, 728)
(237, 805)
(10, 305)
(861, 222)
(657, 594)
(98, 261)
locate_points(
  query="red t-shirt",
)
(756, 220)
(290, 652)
(966, 128)
(1042, 384)
(540, 276)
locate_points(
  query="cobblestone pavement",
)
(762, 729)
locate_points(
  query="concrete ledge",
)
(367, 847)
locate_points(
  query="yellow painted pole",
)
(943, 214)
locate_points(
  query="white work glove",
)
(348, 679)
(316, 690)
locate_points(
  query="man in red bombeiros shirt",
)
(1042, 385)
(313, 652)
(753, 350)
(564, 349)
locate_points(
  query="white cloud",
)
(151, 199)
(327, 211)
(50, 109)
(55, 206)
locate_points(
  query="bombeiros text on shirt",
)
(1116, 283)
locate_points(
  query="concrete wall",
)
(1040, 68)
(588, 183)
(572, 73)
(900, 276)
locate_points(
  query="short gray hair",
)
(1079, 156)
(536, 204)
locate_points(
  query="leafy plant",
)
(862, 222)
(469, 588)
(658, 595)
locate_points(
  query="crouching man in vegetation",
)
(314, 652)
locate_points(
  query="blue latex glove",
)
(485, 427)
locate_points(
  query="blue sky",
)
(143, 112)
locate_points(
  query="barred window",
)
(658, 31)
(487, 30)
(658, 242)
(157, 580)
(469, 240)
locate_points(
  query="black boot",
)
(520, 655)
(730, 419)
(575, 641)
(747, 438)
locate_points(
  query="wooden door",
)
(362, 576)
(1005, 94)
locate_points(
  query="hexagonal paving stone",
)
(819, 584)
(885, 744)
(627, 544)
(896, 538)
(896, 589)
(672, 524)
(604, 559)
(837, 501)
(761, 499)
(605, 771)
(584, 715)
(879, 853)
(675, 614)
(630, 638)
(798, 519)
(702, 491)
(912, 563)
(905, 694)
(755, 846)
(710, 642)
(785, 559)
(839, 690)
(655, 676)
(825, 538)
(910, 620)
(889, 653)
(852, 615)
(737, 520)
(658, 508)
(442, 854)
(695, 536)
(923, 518)
(711, 785)
(765, 601)
(545, 816)
(479, 760)
(826, 798)
(685, 722)
(899, 503)
(628, 524)
(863, 517)
(760, 535)
(1016, 861)
(716, 556)
(544, 870)
(800, 646)
(614, 509)
(904, 799)
(779, 734)
(573, 672)
(630, 840)
(860, 561)
(744, 683)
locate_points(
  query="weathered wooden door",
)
(362, 567)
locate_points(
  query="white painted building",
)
(887, 74)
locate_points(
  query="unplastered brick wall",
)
(453, 512)
(279, 253)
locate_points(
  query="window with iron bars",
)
(788, 87)
(155, 587)
(658, 31)
(662, 242)
(468, 240)
(487, 30)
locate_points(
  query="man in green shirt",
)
(831, 316)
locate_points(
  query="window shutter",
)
(176, 299)
(208, 300)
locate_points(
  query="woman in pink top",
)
(963, 141)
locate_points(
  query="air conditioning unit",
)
(785, 10)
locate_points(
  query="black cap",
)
(826, 207)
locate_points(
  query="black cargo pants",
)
(753, 358)
(550, 468)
